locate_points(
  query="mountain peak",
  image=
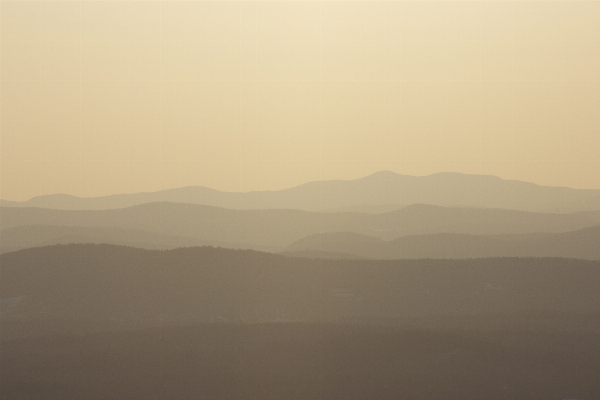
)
(384, 173)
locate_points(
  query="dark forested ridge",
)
(104, 321)
(204, 284)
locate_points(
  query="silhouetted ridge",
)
(584, 244)
(383, 189)
(26, 236)
(273, 230)
(204, 284)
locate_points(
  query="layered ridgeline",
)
(583, 244)
(383, 191)
(203, 284)
(170, 225)
(23, 237)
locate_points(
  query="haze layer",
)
(111, 97)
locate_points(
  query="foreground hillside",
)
(304, 361)
(104, 321)
(105, 283)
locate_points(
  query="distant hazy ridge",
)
(383, 191)
(265, 229)
(584, 244)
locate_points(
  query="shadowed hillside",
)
(299, 361)
(112, 283)
(583, 244)
(378, 191)
(275, 229)
(103, 321)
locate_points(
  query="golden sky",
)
(109, 97)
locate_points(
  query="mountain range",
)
(269, 230)
(203, 284)
(382, 191)
(583, 244)
(22, 237)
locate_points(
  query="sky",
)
(104, 97)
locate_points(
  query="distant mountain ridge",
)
(582, 244)
(379, 191)
(23, 237)
(276, 229)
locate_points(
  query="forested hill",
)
(106, 282)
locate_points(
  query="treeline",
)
(205, 284)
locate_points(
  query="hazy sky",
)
(108, 97)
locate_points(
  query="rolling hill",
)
(203, 284)
(273, 230)
(22, 237)
(584, 244)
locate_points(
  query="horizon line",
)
(381, 172)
